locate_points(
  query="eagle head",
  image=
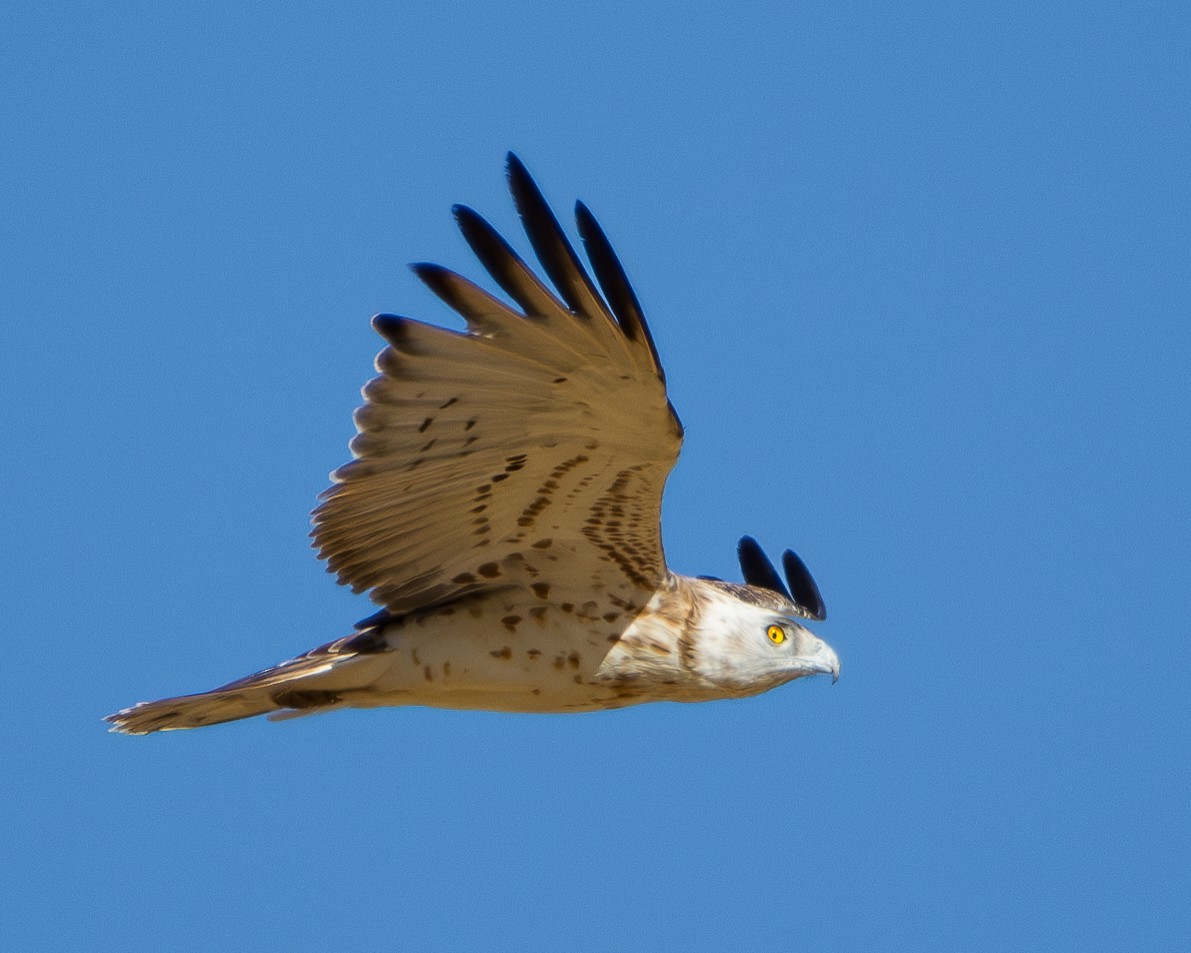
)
(746, 638)
(747, 641)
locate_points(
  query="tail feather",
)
(310, 683)
(190, 711)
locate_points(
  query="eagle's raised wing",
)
(530, 450)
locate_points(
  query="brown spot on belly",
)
(543, 544)
(560, 661)
(541, 589)
(611, 616)
(446, 669)
(428, 674)
(505, 654)
(463, 579)
(573, 659)
(538, 614)
(414, 654)
(510, 622)
(578, 679)
(534, 653)
(489, 570)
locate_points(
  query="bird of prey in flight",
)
(503, 508)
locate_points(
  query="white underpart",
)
(690, 643)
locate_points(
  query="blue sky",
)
(919, 275)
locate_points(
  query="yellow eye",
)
(777, 635)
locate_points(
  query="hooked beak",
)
(823, 661)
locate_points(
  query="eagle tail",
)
(318, 681)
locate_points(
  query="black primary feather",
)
(504, 265)
(614, 282)
(802, 586)
(551, 246)
(757, 569)
(470, 300)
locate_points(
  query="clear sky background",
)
(919, 275)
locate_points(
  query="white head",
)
(750, 643)
(747, 638)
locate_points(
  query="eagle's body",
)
(517, 654)
(504, 508)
